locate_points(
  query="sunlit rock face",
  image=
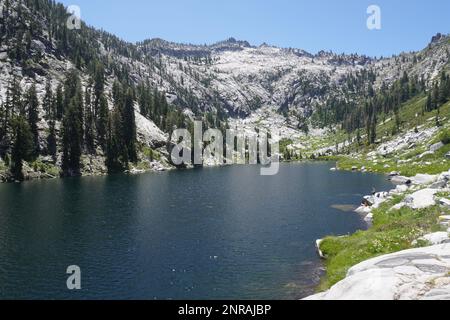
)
(417, 274)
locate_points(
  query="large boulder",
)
(444, 176)
(399, 180)
(441, 184)
(441, 181)
(426, 153)
(400, 189)
(394, 174)
(363, 210)
(435, 238)
(424, 179)
(444, 202)
(421, 199)
(417, 274)
(444, 221)
(435, 147)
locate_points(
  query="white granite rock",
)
(400, 180)
(435, 238)
(441, 184)
(363, 210)
(435, 147)
(369, 218)
(398, 206)
(444, 202)
(424, 179)
(421, 199)
(400, 189)
(394, 174)
(445, 176)
(408, 275)
(319, 251)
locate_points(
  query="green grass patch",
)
(392, 231)
(143, 165)
(431, 164)
(47, 168)
(3, 166)
(150, 154)
(444, 136)
(284, 144)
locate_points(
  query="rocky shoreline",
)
(420, 273)
(91, 166)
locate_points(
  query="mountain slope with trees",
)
(82, 101)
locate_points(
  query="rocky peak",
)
(436, 38)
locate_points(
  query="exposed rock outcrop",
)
(417, 274)
(421, 199)
(435, 238)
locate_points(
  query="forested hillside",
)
(82, 101)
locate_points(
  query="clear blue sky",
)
(311, 25)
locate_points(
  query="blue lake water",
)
(219, 233)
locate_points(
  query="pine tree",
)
(435, 97)
(72, 132)
(5, 138)
(117, 94)
(438, 117)
(48, 103)
(22, 148)
(429, 103)
(4, 143)
(397, 121)
(51, 141)
(116, 152)
(72, 140)
(368, 112)
(89, 122)
(443, 87)
(99, 86)
(102, 122)
(129, 125)
(447, 92)
(32, 109)
(59, 103)
(373, 130)
(358, 136)
(14, 102)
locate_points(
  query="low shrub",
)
(444, 136)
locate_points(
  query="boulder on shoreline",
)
(394, 174)
(400, 180)
(319, 251)
(416, 274)
(412, 274)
